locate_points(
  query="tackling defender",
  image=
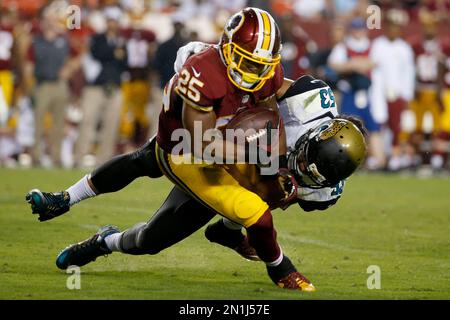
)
(256, 216)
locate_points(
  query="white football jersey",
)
(306, 104)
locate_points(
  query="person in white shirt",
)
(350, 59)
(393, 82)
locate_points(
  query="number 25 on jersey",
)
(187, 85)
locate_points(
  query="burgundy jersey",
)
(138, 44)
(204, 84)
(6, 47)
(426, 54)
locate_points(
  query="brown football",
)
(254, 118)
(253, 121)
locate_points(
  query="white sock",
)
(231, 225)
(277, 261)
(80, 191)
(113, 241)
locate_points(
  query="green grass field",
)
(401, 224)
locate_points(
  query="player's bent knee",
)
(144, 159)
(249, 207)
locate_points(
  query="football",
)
(254, 122)
(254, 118)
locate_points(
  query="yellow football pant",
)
(214, 187)
(427, 101)
(136, 95)
(445, 116)
(7, 86)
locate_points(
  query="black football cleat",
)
(48, 205)
(82, 253)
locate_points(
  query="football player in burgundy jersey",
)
(195, 100)
(7, 48)
(242, 71)
(430, 52)
(136, 85)
(440, 153)
(427, 51)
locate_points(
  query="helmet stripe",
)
(272, 33)
(267, 31)
(260, 27)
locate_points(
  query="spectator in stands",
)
(102, 99)
(167, 52)
(7, 55)
(438, 8)
(7, 46)
(350, 59)
(310, 10)
(296, 48)
(393, 82)
(49, 58)
(347, 9)
(319, 60)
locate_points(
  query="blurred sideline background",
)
(74, 95)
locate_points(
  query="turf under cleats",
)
(82, 253)
(233, 239)
(295, 280)
(48, 205)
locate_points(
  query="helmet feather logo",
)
(234, 24)
(332, 130)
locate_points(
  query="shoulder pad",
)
(306, 100)
(302, 85)
(202, 79)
